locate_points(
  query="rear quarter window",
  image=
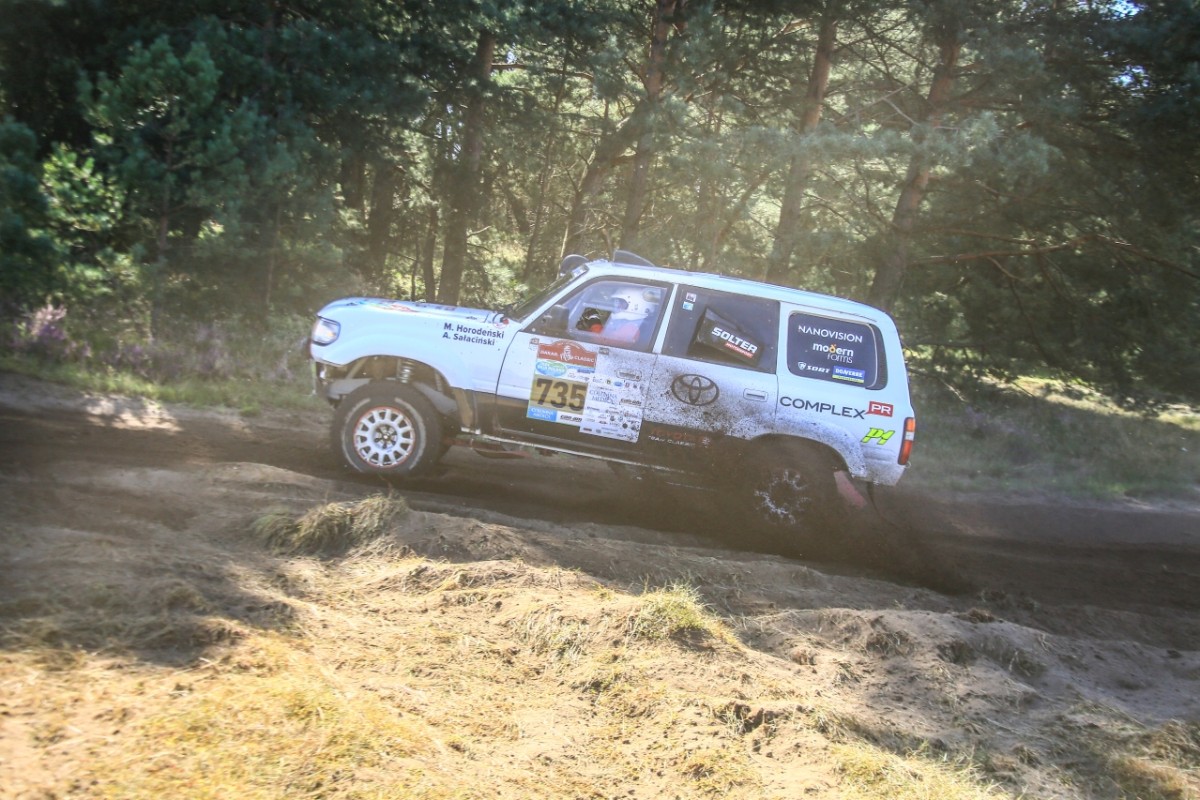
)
(722, 328)
(836, 350)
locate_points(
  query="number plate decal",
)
(559, 388)
(557, 400)
(573, 385)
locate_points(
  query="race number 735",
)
(558, 394)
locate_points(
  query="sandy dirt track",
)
(1040, 618)
(1111, 555)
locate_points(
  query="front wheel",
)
(387, 428)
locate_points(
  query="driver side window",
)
(620, 313)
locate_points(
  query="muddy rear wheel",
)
(791, 498)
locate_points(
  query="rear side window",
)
(722, 328)
(836, 350)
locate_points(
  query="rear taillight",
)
(910, 435)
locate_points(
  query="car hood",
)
(434, 310)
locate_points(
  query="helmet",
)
(591, 320)
(635, 302)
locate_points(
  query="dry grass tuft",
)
(1011, 657)
(167, 615)
(678, 612)
(868, 772)
(718, 771)
(956, 651)
(889, 643)
(1177, 741)
(741, 718)
(1158, 764)
(278, 726)
(331, 528)
(546, 632)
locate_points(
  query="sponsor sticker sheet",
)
(575, 385)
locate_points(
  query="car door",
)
(715, 377)
(577, 377)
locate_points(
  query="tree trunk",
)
(890, 273)
(787, 232)
(352, 179)
(379, 222)
(539, 209)
(465, 194)
(606, 156)
(645, 152)
(162, 242)
(272, 257)
(708, 206)
(426, 255)
(732, 216)
(158, 271)
(520, 212)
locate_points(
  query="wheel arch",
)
(449, 365)
(824, 452)
(448, 400)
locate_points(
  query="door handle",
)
(755, 394)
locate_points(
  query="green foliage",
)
(249, 157)
(86, 217)
(177, 151)
(26, 252)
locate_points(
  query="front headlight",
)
(325, 331)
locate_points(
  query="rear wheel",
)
(791, 497)
(387, 428)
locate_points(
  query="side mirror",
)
(554, 320)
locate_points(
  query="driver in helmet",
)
(634, 305)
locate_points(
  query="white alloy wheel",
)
(383, 437)
(388, 428)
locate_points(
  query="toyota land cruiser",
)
(703, 379)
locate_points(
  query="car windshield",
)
(520, 310)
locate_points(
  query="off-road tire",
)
(387, 428)
(791, 500)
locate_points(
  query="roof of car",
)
(738, 285)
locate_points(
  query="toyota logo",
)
(695, 390)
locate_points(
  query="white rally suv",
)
(701, 379)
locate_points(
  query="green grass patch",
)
(1044, 436)
(235, 363)
(251, 397)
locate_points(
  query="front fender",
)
(452, 367)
